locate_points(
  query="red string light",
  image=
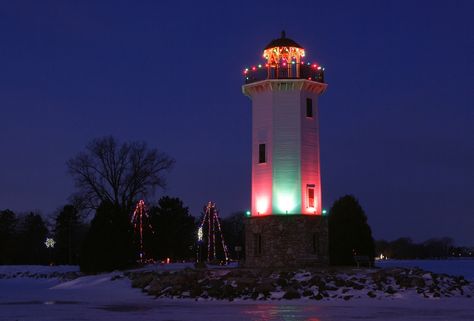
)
(140, 214)
(211, 219)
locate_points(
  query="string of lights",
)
(214, 231)
(284, 64)
(140, 214)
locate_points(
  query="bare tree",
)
(118, 173)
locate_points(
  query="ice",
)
(85, 282)
(109, 296)
(464, 267)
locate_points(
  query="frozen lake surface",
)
(99, 298)
(464, 267)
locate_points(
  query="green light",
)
(286, 203)
(286, 168)
(324, 212)
(247, 213)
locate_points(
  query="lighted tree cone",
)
(210, 232)
(141, 225)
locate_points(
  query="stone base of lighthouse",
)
(280, 241)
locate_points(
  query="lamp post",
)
(50, 242)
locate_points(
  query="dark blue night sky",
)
(397, 120)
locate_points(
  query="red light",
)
(254, 68)
(284, 64)
(266, 65)
(314, 66)
(262, 205)
(245, 72)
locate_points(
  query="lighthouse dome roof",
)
(283, 41)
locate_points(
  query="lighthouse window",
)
(309, 107)
(262, 157)
(310, 193)
(315, 243)
(257, 238)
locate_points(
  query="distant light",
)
(259, 66)
(49, 243)
(319, 68)
(254, 68)
(247, 213)
(324, 212)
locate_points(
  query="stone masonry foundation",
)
(281, 241)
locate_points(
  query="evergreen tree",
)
(69, 232)
(349, 232)
(8, 246)
(31, 237)
(174, 230)
(109, 242)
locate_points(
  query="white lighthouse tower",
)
(285, 224)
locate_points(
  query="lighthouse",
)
(285, 225)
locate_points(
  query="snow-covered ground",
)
(110, 297)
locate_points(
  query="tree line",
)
(22, 237)
(108, 241)
(434, 248)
